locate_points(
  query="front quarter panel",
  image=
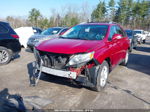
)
(102, 53)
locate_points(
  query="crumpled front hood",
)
(68, 46)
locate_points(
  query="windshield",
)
(51, 31)
(137, 32)
(129, 32)
(86, 32)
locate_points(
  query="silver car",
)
(45, 35)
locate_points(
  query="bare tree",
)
(85, 12)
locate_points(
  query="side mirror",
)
(116, 36)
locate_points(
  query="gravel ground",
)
(128, 87)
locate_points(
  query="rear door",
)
(3, 31)
(123, 42)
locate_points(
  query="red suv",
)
(86, 53)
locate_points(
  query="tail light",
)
(15, 36)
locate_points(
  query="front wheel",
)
(5, 56)
(102, 76)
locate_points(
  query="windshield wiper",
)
(84, 39)
(74, 38)
(61, 37)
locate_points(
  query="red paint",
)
(115, 50)
(79, 70)
(15, 36)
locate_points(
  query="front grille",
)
(53, 60)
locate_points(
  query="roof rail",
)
(83, 22)
(110, 22)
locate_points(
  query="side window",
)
(112, 32)
(63, 30)
(35, 31)
(39, 31)
(120, 31)
(3, 29)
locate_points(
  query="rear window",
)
(3, 29)
(138, 32)
(51, 31)
(129, 32)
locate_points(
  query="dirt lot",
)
(128, 87)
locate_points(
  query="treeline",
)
(129, 13)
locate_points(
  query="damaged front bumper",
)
(81, 79)
(83, 74)
(60, 73)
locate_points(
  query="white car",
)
(141, 36)
(25, 33)
(147, 33)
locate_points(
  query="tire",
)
(31, 49)
(134, 47)
(102, 76)
(131, 47)
(5, 55)
(140, 41)
(125, 61)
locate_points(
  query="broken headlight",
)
(80, 58)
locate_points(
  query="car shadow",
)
(143, 49)
(128, 92)
(16, 57)
(10, 102)
(29, 50)
(147, 43)
(51, 78)
(139, 63)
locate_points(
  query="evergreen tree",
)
(34, 16)
(99, 13)
(122, 13)
(111, 9)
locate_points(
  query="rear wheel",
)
(134, 47)
(125, 61)
(131, 47)
(143, 41)
(102, 76)
(5, 56)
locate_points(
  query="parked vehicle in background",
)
(9, 43)
(147, 33)
(25, 33)
(132, 38)
(140, 35)
(45, 35)
(86, 53)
